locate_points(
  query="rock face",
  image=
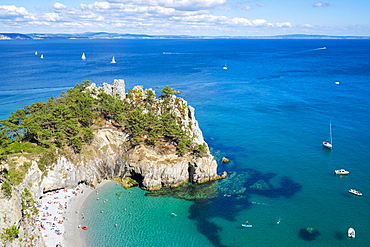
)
(110, 156)
(118, 87)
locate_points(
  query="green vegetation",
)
(28, 204)
(10, 233)
(47, 158)
(6, 188)
(200, 149)
(129, 183)
(68, 121)
(167, 91)
(16, 172)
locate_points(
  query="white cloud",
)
(125, 16)
(12, 10)
(57, 5)
(96, 6)
(240, 5)
(283, 24)
(51, 16)
(223, 20)
(186, 5)
(307, 25)
(321, 5)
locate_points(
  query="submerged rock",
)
(260, 185)
(234, 184)
(188, 191)
(308, 234)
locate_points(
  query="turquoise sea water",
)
(268, 112)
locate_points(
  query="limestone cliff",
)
(111, 155)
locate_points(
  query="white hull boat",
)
(341, 172)
(351, 233)
(355, 192)
(329, 144)
(113, 60)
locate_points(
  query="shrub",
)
(7, 188)
(10, 233)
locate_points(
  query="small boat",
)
(84, 228)
(351, 233)
(225, 66)
(83, 57)
(337, 82)
(329, 144)
(355, 192)
(246, 225)
(341, 172)
(42, 56)
(36, 53)
(113, 60)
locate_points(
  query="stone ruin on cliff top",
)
(118, 87)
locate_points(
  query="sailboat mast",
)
(331, 136)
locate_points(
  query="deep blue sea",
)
(268, 113)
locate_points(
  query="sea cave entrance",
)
(138, 178)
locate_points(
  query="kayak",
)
(246, 225)
(84, 228)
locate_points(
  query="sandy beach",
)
(60, 219)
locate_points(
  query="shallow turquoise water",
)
(141, 220)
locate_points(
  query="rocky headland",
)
(116, 150)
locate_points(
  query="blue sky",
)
(188, 17)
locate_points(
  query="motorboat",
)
(341, 172)
(351, 233)
(355, 192)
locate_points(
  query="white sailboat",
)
(83, 57)
(113, 60)
(329, 144)
(225, 66)
(36, 53)
(42, 56)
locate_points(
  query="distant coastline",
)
(105, 35)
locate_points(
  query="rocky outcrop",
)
(117, 88)
(109, 158)
(112, 156)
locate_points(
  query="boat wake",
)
(171, 53)
(311, 50)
